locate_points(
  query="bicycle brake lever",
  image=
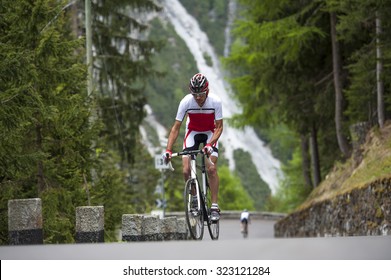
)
(170, 166)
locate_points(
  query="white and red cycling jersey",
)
(200, 120)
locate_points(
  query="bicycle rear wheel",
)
(245, 229)
(194, 215)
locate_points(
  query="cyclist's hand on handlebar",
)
(208, 149)
(167, 156)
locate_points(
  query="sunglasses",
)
(200, 94)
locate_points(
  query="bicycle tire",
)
(213, 226)
(245, 230)
(194, 218)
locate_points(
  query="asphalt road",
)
(231, 245)
(230, 230)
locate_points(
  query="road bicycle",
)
(245, 228)
(197, 197)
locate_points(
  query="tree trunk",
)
(306, 164)
(315, 156)
(342, 141)
(379, 72)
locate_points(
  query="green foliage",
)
(281, 140)
(58, 213)
(232, 194)
(8, 190)
(362, 106)
(281, 67)
(257, 189)
(122, 65)
(291, 192)
(357, 31)
(144, 178)
(274, 64)
(45, 117)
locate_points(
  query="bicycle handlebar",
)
(187, 153)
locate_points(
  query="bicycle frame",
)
(201, 192)
(193, 175)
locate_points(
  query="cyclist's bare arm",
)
(174, 132)
(218, 131)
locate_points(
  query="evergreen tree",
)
(45, 127)
(283, 70)
(284, 56)
(357, 30)
(122, 64)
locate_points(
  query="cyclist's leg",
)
(192, 141)
(213, 179)
(243, 225)
(212, 169)
(214, 188)
(186, 167)
(189, 143)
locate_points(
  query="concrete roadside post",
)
(132, 227)
(25, 221)
(169, 228)
(90, 224)
(151, 228)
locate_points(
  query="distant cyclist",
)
(204, 125)
(244, 221)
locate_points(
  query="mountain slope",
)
(375, 165)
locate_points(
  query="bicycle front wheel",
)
(213, 226)
(194, 213)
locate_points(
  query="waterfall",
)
(227, 31)
(232, 138)
(161, 132)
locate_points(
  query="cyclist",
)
(244, 220)
(204, 125)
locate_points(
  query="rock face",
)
(364, 211)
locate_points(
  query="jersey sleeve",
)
(218, 110)
(182, 109)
